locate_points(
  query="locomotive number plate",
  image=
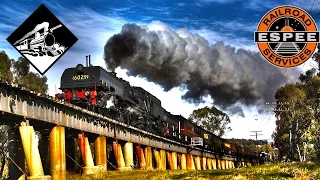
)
(80, 77)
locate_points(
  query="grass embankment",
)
(273, 171)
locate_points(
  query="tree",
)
(312, 89)
(21, 74)
(298, 123)
(211, 119)
(31, 81)
(292, 120)
(308, 76)
(5, 65)
(316, 57)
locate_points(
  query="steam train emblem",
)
(40, 41)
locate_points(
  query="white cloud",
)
(92, 28)
(181, 4)
(230, 39)
(237, 25)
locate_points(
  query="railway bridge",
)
(64, 129)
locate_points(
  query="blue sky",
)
(95, 21)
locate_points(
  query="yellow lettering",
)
(80, 77)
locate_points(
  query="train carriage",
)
(207, 139)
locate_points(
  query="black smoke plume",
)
(182, 59)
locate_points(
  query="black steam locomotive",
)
(101, 91)
(94, 88)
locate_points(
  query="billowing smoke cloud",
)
(183, 59)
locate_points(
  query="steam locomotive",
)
(101, 91)
(43, 42)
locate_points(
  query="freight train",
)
(101, 91)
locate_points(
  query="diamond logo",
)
(42, 39)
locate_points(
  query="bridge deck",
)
(19, 102)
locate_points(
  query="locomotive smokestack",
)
(87, 61)
(113, 74)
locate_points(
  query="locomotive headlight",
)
(79, 67)
(49, 40)
(87, 93)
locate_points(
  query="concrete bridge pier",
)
(169, 156)
(148, 157)
(160, 158)
(197, 162)
(229, 164)
(209, 163)
(57, 153)
(100, 152)
(175, 160)
(16, 153)
(204, 163)
(214, 163)
(128, 155)
(219, 164)
(141, 157)
(190, 162)
(163, 159)
(157, 158)
(86, 155)
(172, 160)
(223, 164)
(117, 149)
(182, 161)
(179, 161)
(31, 151)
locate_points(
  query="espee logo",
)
(287, 36)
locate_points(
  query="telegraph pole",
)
(256, 134)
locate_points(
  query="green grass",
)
(302, 171)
